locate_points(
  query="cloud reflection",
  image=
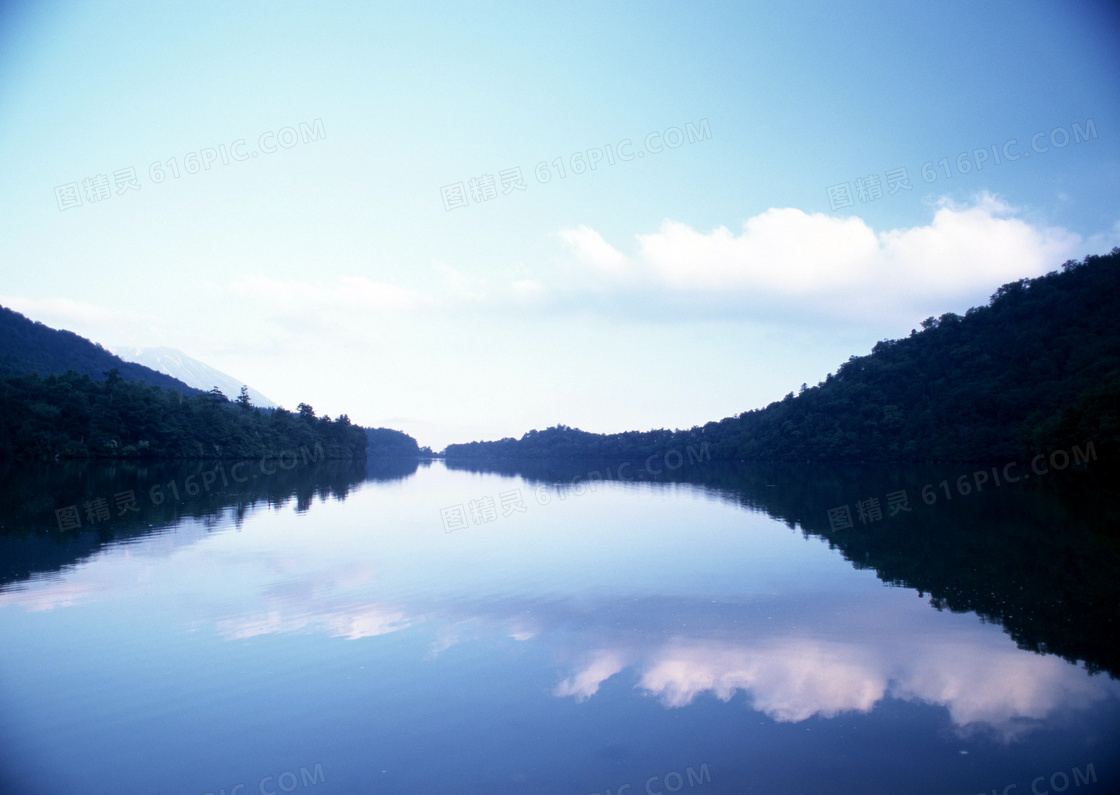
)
(793, 657)
(585, 684)
(790, 679)
(978, 679)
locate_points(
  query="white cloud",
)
(590, 248)
(96, 323)
(528, 290)
(781, 251)
(783, 264)
(969, 248)
(349, 293)
(788, 263)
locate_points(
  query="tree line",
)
(73, 416)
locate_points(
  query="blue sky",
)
(715, 270)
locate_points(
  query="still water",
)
(343, 628)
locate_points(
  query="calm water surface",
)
(393, 628)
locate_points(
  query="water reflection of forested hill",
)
(1040, 556)
(165, 493)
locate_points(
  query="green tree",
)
(243, 402)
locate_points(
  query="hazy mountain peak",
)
(177, 364)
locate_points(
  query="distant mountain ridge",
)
(28, 346)
(192, 372)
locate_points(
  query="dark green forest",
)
(73, 416)
(1037, 369)
(27, 346)
(386, 443)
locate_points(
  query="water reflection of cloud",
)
(791, 679)
(48, 593)
(350, 621)
(793, 656)
(337, 601)
(1001, 687)
(585, 684)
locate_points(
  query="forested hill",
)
(1037, 369)
(73, 416)
(27, 346)
(387, 443)
(62, 396)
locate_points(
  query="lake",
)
(673, 626)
